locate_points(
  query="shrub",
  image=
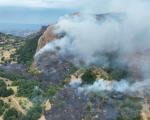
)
(88, 77)
(10, 92)
(26, 52)
(4, 92)
(2, 108)
(2, 83)
(52, 90)
(11, 114)
(26, 87)
(130, 109)
(34, 113)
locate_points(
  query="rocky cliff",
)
(47, 36)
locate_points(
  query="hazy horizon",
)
(25, 15)
(16, 19)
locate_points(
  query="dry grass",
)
(42, 118)
(47, 105)
(21, 104)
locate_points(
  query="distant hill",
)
(14, 49)
(8, 45)
(22, 30)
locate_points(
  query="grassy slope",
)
(8, 46)
(21, 104)
(19, 50)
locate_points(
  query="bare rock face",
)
(53, 67)
(47, 36)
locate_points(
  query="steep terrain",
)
(26, 52)
(52, 81)
(22, 99)
(47, 36)
(63, 67)
(68, 102)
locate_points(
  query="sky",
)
(39, 3)
(46, 11)
(34, 11)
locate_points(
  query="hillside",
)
(22, 99)
(16, 49)
(65, 101)
(8, 47)
(26, 52)
(73, 70)
(64, 55)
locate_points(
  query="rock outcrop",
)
(47, 36)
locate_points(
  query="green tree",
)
(2, 83)
(12, 114)
(4, 92)
(26, 87)
(34, 113)
(26, 52)
(88, 77)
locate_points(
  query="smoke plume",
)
(105, 27)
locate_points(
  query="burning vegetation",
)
(90, 66)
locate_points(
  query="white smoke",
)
(122, 86)
(87, 36)
(127, 32)
(141, 86)
(105, 85)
